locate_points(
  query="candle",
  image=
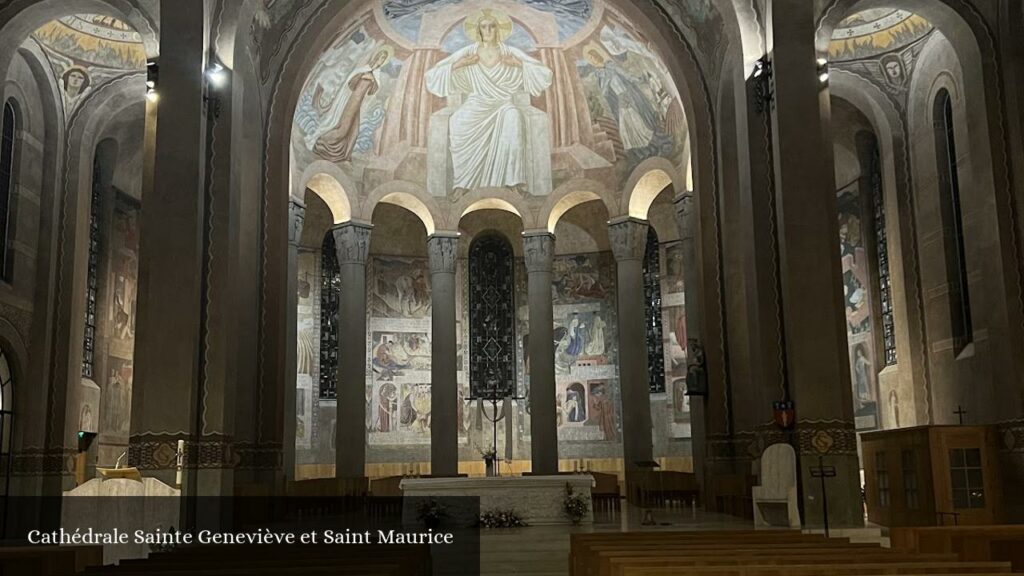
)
(181, 457)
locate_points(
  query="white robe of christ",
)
(488, 132)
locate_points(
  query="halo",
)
(86, 79)
(472, 24)
(593, 46)
(386, 48)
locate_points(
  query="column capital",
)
(296, 218)
(442, 249)
(352, 242)
(539, 248)
(628, 237)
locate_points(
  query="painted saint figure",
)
(637, 118)
(487, 133)
(342, 110)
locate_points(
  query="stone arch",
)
(647, 181)
(496, 198)
(890, 131)
(18, 20)
(323, 181)
(492, 204)
(571, 194)
(411, 202)
(983, 81)
(566, 203)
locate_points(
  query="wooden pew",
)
(852, 569)
(48, 560)
(969, 543)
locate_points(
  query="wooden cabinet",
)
(932, 475)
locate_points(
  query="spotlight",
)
(823, 77)
(216, 74)
(152, 77)
(822, 70)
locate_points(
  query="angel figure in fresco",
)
(487, 138)
(638, 120)
(341, 111)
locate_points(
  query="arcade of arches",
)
(322, 238)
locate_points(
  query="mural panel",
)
(673, 311)
(459, 96)
(857, 297)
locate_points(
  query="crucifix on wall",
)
(960, 412)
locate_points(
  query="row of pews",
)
(754, 553)
(346, 560)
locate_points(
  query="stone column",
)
(166, 390)
(296, 217)
(352, 241)
(444, 427)
(817, 359)
(539, 249)
(628, 238)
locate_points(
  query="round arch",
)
(17, 21)
(332, 192)
(647, 181)
(411, 203)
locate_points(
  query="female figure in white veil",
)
(487, 132)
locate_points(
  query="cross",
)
(960, 413)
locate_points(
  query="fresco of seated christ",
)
(487, 133)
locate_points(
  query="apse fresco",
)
(874, 32)
(458, 96)
(857, 297)
(88, 50)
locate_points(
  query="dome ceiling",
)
(874, 32)
(455, 96)
(86, 50)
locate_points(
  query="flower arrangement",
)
(488, 453)
(501, 518)
(431, 512)
(574, 505)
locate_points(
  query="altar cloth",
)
(537, 499)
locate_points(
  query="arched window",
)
(952, 222)
(6, 192)
(330, 297)
(492, 334)
(92, 280)
(882, 252)
(6, 429)
(652, 313)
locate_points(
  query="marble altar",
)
(538, 499)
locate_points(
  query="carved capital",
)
(628, 237)
(443, 251)
(539, 250)
(352, 242)
(296, 218)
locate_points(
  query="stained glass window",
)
(492, 343)
(652, 313)
(92, 276)
(6, 192)
(952, 222)
(330, 296)
(882, 249)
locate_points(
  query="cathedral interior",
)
(248, 246)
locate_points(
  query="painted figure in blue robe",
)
(638, 121)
